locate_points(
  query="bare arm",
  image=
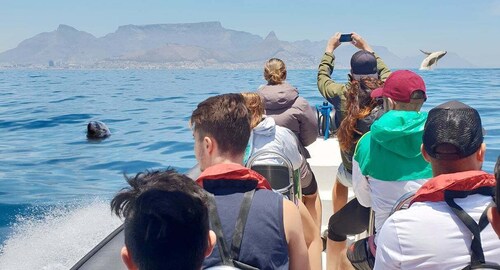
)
(297, 249)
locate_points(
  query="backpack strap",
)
(228, 257)
(477, 256)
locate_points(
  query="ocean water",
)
(55, 185)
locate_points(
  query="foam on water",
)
(59, 238)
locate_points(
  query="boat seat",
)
(278, 171)
(403, 202)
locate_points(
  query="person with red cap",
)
(387, 161)
(445, 226)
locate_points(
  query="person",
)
(387, 161)
(273, 237)
(368, 71)
(267, 136)
(166, 222)
(494, 211)
(361, 112)
(431, 234)
(283, 103)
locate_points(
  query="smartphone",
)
(345, 38)
(497, 176)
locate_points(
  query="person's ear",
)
(208, 144)
(391, 105)
(212, 240)
(350, 76)
(481, 153)
(425, 155)
(127, 259)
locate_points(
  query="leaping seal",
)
(97, 130)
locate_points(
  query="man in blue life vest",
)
(387, 161)
(166, 222)
(445, 226)
(255, 226)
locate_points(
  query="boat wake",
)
(57, 239)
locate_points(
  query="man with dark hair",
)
(387, 161)
(254, 226)
(166, 222)
(445, 226)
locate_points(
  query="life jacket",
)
(232, 172)
(433, 189)
(448, 187)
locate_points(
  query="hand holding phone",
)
(345, 38)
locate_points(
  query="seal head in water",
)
(97, 130)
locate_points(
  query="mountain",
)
(185, 45)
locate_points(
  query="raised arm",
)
(326, 86)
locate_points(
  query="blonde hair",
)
(255, 107)
(274, 71)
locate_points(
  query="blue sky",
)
(468, 28)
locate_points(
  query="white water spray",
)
(58, 239)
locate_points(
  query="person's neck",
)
(225, 159)
(438, 170)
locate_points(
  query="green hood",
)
(391, 150)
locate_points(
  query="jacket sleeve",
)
(383, 70)
(308, 124)
(326, 86)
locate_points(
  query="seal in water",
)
(97, 130)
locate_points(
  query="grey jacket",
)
(282, 102)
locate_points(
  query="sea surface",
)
(55, 185)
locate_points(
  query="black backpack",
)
(230, 258)
(477, 256)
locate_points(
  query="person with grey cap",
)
(355, 112)
(446, 225)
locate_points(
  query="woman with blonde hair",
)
(283, 103)
(266, 135)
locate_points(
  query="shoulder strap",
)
(477, 256)
(240, 223)
(226, 257)
(216, 226)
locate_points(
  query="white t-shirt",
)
(380, 195)
(429, 235)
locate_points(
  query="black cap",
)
(363, 63)
(452, 131)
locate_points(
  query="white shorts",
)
(343, 176)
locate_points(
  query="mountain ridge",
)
(185, 45)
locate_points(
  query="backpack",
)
(477, 256)
(230, 258)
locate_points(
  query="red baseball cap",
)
(400, 85)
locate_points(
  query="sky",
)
(469, 28)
